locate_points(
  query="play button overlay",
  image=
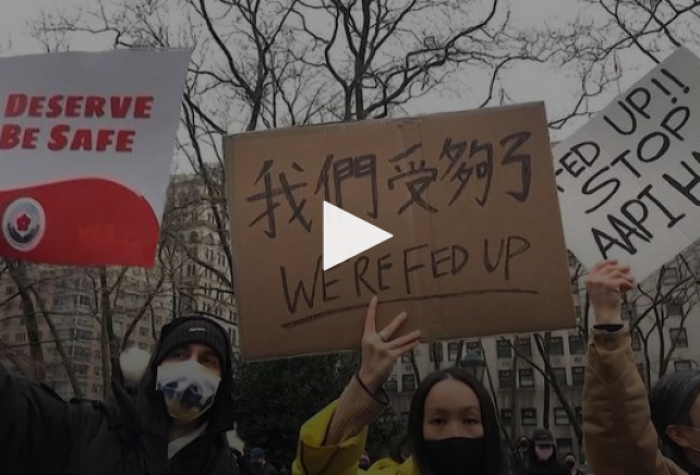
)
(345, 236)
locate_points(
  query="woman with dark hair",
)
(452, 424)
(675, 412)
(626, 433)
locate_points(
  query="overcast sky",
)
(528, 83)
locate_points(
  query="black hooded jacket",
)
(40, 434)
(551, 467)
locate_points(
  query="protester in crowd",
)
(519, 457)
(174, 423)
(365, 461)
(543, 455)
(572, 464)
(263, 467)
(452, 423)
(243, 461)
(625, 433)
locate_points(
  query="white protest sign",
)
(629, 180)
(86, 146)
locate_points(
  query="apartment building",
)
(192, 269)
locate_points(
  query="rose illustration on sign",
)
(23, 224)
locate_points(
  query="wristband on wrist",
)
(371, 394)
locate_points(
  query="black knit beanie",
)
(195, 329)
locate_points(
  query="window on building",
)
(561, 418)
(564, 446)
(556, 346)
(391, 385)
(578, 375)
(408, 383)
(674, 308)
(528, 417)
(527, 378)
(636, 341)
(9, 290)
(20, 337)
(406, 358)
(679, 336)
(97, 371)
(524, 346)
(506, 417)
(576, 345)
(560, 377)
(80, 369)
(143, 331)
(475, 347)
(436, 353)
(96, 389)
(682, 365)
(671, 276)
(503, 349)
(453, 351)
(506, 379)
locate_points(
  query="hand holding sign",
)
(379, 351)
(605, 282)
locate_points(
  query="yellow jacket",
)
(314, 458)
(619, 436)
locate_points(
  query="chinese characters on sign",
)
(283, 196)
(470, 199)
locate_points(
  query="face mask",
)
(455, 455)
(544, 453)
(570, 463)
(188, 388)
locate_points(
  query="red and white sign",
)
(86, 146)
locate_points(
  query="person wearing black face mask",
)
(570, 462)
(452, 424)
(519, 457)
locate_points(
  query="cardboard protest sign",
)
(629, 180)
(86, 145)
(469, 197)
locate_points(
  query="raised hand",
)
(605, 283)
(380, 351)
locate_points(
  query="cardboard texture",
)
(470, 198)
(629, 180)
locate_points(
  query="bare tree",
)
(607, 37)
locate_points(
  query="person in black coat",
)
(520, 457)
(543, 455)
(173, 423)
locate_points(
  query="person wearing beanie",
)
(543, 455)
(169, 418)
(257, 457)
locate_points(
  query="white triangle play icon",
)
(345, 236)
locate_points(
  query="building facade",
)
(190, 275)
